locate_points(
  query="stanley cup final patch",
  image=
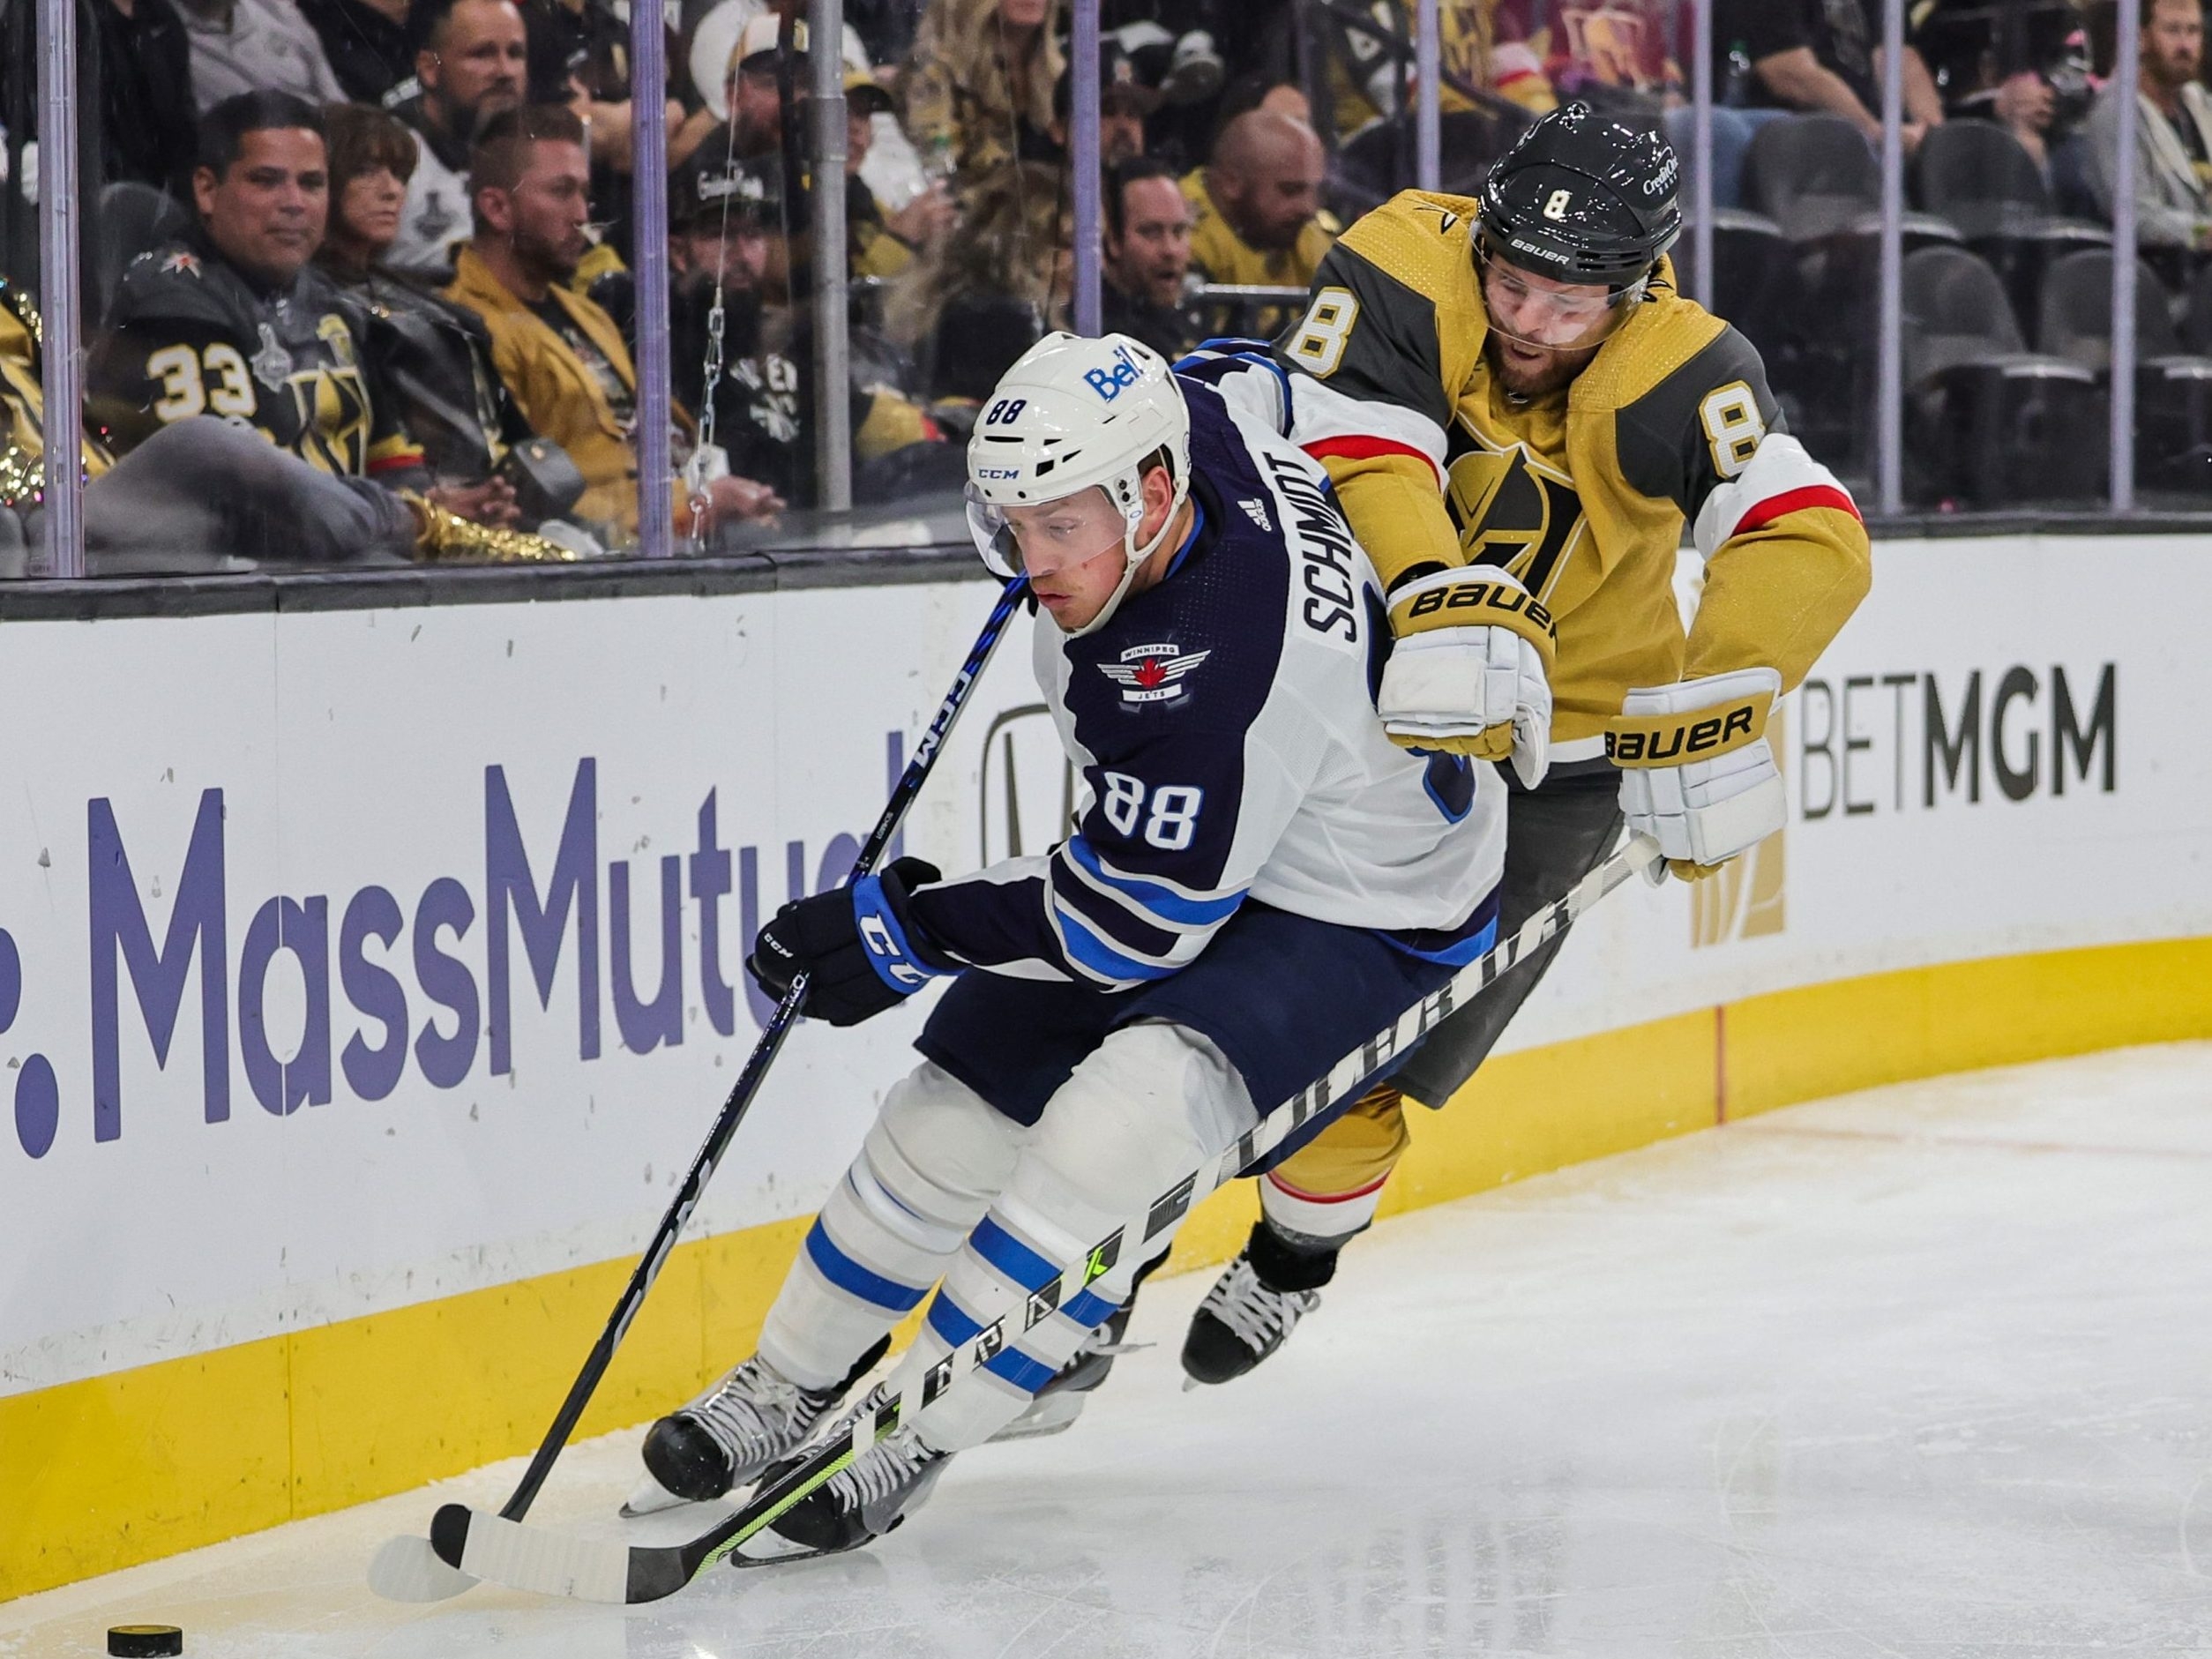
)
(1153, 673)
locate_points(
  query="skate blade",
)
(650, 1497)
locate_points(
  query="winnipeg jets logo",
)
(1153, 673)
(1256, 509)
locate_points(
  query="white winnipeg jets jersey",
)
(1224, 724)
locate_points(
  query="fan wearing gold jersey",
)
(1510, 394)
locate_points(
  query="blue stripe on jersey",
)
(1198, 524)
(1032, 1271)
(1455, 947)
(1086, 949)
(1113, 918)
(1011, 1364)
(1164, 902)
(847, 1274)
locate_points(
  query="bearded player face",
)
(1542, 332)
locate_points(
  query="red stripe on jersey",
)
(397, 462)
(1326, 1197)
(1365, 448)
(1791, 501)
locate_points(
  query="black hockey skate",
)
(1253, 1307)
(1061, 1400)
(726, 1436)
(871, 1496)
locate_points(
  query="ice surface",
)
(1925, 1370)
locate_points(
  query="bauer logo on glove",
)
(1470, 670)
(1697, 773)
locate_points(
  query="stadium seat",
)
(1755, 280)
(2173, 388)
(131, 219)
(1988, 423)
(1976, 177)
(1817, 177)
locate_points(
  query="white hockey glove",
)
(1697, 773)
(1469, 673)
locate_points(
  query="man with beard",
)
(473, 64)
(2173, 130)
(561, 357)
(730, 223)
(1148, 250)
(1511, 390)
(1259, 202)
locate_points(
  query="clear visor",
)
(994, 536)
(1535, 315)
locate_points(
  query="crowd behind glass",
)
(355, 285)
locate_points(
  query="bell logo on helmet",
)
(1111, 382)
(1556, 207)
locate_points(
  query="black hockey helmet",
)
(1583, 199)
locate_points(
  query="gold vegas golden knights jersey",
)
(1583, 495)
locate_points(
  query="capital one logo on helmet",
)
(1111, 382)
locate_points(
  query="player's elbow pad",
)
(1780, 478)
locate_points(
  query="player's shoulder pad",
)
(1420, 237)
(1668, 375)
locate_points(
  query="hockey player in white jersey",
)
(1258, 879)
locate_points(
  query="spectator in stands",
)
(1259, 205)
(561, 357)
(979, 89)
(2173, 132)
(473, 65)
(1148, 250)
(433, 357)
(987, 293)
(234, 321)
(1122, 106)
(366, 44)
(579, 56)
(1817, 55)
(880, 242)
(1478, 54)
(764, 402)
(147, 116)
(204, 493)
(254, 46)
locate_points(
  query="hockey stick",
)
(525, 1557)
(406, 1568)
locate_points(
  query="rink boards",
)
(368, 977)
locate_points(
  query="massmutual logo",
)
(1744, 899)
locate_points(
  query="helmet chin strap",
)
(1133, 556)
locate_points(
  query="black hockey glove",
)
(859, 945)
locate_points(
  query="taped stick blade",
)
(407, 1569)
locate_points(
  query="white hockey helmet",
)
(1076, 414)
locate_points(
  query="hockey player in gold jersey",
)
(1511, 397)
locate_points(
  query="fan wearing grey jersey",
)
(1258, 879)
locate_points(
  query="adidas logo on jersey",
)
(1256, 509)
(1152, 673)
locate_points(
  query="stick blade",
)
(407, 1569)
(528, 1559)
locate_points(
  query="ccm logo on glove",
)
(858, 945)
(1664, 740)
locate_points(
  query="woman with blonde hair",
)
(979, 87)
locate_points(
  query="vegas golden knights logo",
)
(1511, 509)
(1745, 899)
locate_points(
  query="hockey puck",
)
(145, 1642)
